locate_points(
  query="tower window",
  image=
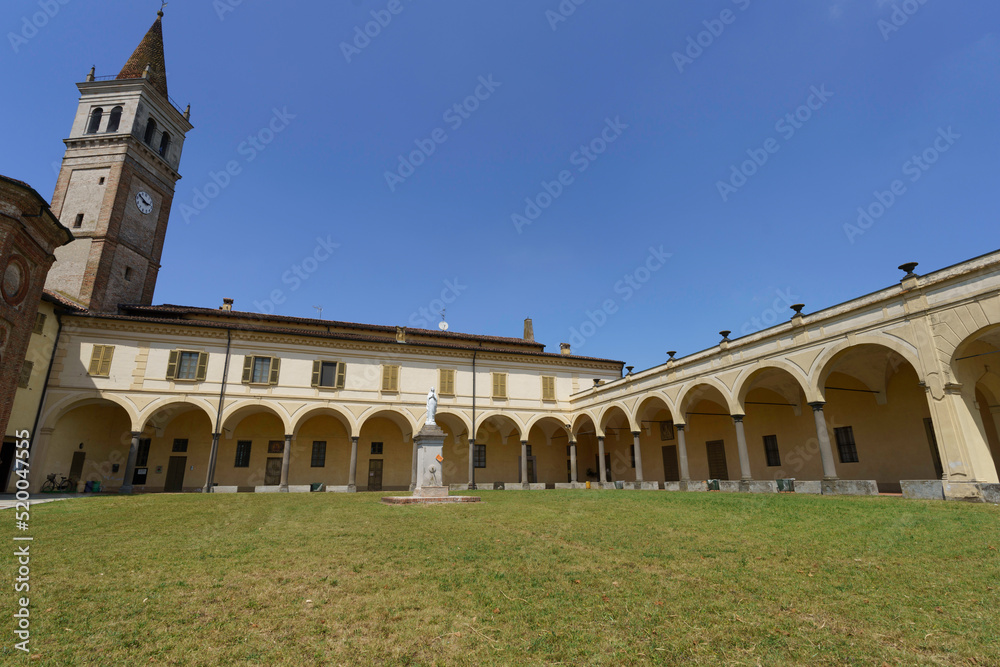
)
(100, 181)
(95, 120)
(114, 120)
(164, 144)
(78, 222)
(128, 273)
(150, 132)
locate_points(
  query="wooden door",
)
(76, 467)
(717, 468)
(671, 470)
(375, 475)
(532, 473)
(175, 474)
(272, 473)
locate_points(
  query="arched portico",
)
(174, 448)
(549, 457)
(973, 401)
(713, 432)
(384, 460)
(498, 445)
(659, 446)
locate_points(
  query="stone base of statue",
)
(430, 486)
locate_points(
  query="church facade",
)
(892, 392)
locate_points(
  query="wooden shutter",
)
(109, 352)
(172, 365)
(548, 388)
(95, 360)
(341, 374)
(275, 365)
(447, 381)
(500, 385)
(202, 371)
(390, 378)
(247, 369)
(317, 367)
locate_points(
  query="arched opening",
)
(114, 120)
(658, 441)
(94, 125)
(878, 418)
(498, 448)
(251, 449)
(548, 457)
(976, 367)
(780, 427)
(385, 453)
(712, 447)
(150, 132)
(164, 144)
(455, 467)
(321, 450)
(619, 457)
(174, 450)
(89, 443)
(585, 433)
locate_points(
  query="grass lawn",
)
(523, 578)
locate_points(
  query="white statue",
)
(432, 407)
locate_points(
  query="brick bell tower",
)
(117, 182)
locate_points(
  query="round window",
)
(15, 281)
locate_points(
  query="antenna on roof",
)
(443, 326)
(320, 309)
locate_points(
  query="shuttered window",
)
(771, 451)
(187, 365)
(390, 378)
(25, 378)
(446, 382)
(260, 370)
(329, 374)
(100, 360)
(499, 385)
(548, 388)
(39, 323)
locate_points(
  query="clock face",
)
(144, 202)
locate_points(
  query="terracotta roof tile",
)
(149, 52)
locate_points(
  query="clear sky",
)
(623, 124)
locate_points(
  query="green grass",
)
(576, 578)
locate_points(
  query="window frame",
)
(847, 444)
(390, 377)
(274, 369)
(24, 378)
(549, 396)
(180, 445)
(502, 377)
(479, 456)
(339, 374)
(771, 448)
(174, 365)
(245, 452)
(100, 364)
(446, 381)
(377, 449)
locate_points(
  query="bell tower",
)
(117, 182)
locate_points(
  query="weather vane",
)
(162, 5)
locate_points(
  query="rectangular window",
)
(319, 454)
(771, 451)
(846, 446)
(499, 385)
(446, 381)
(39, 323)
(128, 273)
(548, 388)
(187, 365)
(329, 374)
(275, 446)
(142, 455)
(25, 378)
(260, 370)
(377, 448)
(479, 456)
(100, 361)
(78, 222)
(390, 378)
(180, 445)
(242, 454)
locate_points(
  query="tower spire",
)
(149, 53)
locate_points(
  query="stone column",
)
(213, 454)
(741, 443)
(602, 467)
(524, 464)
(823, 435)
(352, 473)
(133, 452)
(572, 462)
(638, 457)
(682, 452)
(413, 467)
(472, 464)
(286, 457)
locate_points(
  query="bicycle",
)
(50, 485)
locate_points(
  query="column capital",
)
(524, 442)
(636, 434)
(288, 436)
(136, 434)
(817, 406)
(680, 427)
(572, 443)
(738, 418)
(355, 438)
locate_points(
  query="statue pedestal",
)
(430, 475)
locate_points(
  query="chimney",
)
(227, 304)
(529, 330)
(565, 349)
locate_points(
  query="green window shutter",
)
(317, 365)
(275, 365)
(247, 368)
(109, 352)
(202, 371)
(341, 374)
(172, 365)
(95, 360)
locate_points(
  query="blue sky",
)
(643, 126)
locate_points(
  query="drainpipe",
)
(472, 440)
(218, 418)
